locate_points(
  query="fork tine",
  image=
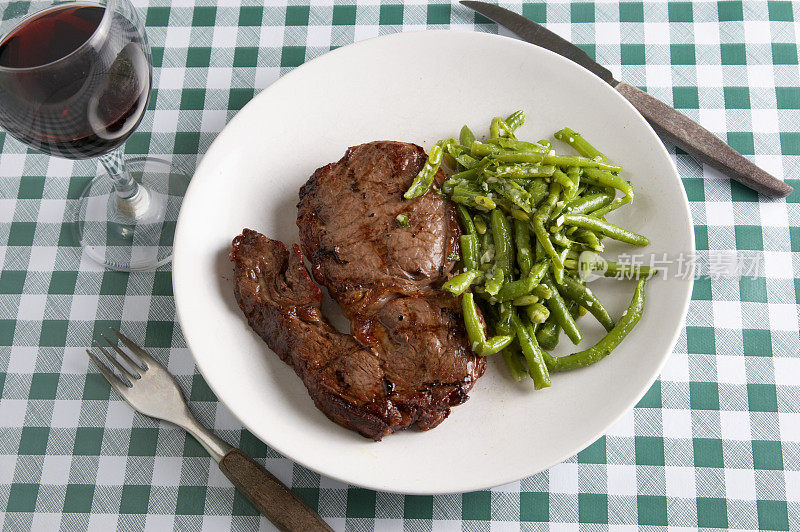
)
(138, 364)
(141, 353)
(112, 379)
(122, 369)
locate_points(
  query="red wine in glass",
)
(73, 82)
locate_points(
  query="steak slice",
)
(407, 359)
(386, 276)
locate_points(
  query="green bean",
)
(503, 325)
(560, 239)
(520, 171)
(614, 205)
(588, 203)
(494, 345)
(596, 176)
(476, 330)
(495, 282)
(547, 335)
(537, 368)
(524, 286)
(513, 360)
(564, 180)
(580, 144)
(580, 293)
(538, 191)
(498, 127)
(422, 182)
(537, 313)
(542, 292)
(518, 145)
(466, 137)
(458, 284)
(515, 193)
(558, 308)
(608, 229)
(614, 269)
(546, 143)
(479, 149)
(515, 120)
(611, 340)
(470, 252)
(473, 199)
(503, 245)
(557, 160)
(543, 237)
(467, 225)
(587, 237)
(520, 215)
(522, 239)
(480, 224)
(525, 301)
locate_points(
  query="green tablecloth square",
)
(773, 515)
(204, 16)
(476, 506)
(767, 455)
(417, 507)
(344, 15)
(191, 500)
(704, 395)
(707, 452)
(34, 440)
(680, 12)
(88, 441)
(78, 498)
(438, 13)
(391, 14)
(135, 499)
(581, 12)
(534, 506)
(784, 53)
(143, 441)
(712, 512)
(780, 10)
(592, 508)
(12, 281)
(730, 10)
(22, 498)
(757, 342)
(652, 510)
(360, 503)
(537, 11)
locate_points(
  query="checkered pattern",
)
(714, 443)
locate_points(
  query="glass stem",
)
(132, 199)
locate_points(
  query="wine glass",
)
(75, 80)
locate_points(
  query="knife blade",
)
(676, 127)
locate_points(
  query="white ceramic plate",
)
(421, 87)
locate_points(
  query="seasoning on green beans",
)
(533, 221)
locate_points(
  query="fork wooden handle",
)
(278, 503)
(702, 144)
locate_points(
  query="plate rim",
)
(475, 486)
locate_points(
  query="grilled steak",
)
(407, 359)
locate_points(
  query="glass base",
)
(110, 235)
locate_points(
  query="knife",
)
(669, 123)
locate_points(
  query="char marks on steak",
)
(407, 359)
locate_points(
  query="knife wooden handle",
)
(702, 144)
(278, 503)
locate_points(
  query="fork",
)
(151, 390)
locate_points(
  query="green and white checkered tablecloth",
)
(714, 443)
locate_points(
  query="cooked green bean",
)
(422, 182)
(588, 203)
(513, 361)
(515, 120)
(495, 282)
(546, 143)
(503, 245)
(494, 345)
(472, 321)
(587, 237)
(596, 176)
(608, 229)
(470, 252)
(564, 180)
(524, 286)
(558, 308)
(467, 225)
(458, 284)
(522, 241)
(611, 340)
(538, 191)
(580, 144)
(524, 301)
(499, 128)
(537, 368)
(547, 335)
(581, 294)
(557, 160)
(466, 137)
(542, 292)
(518, 145)
(537, 313)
